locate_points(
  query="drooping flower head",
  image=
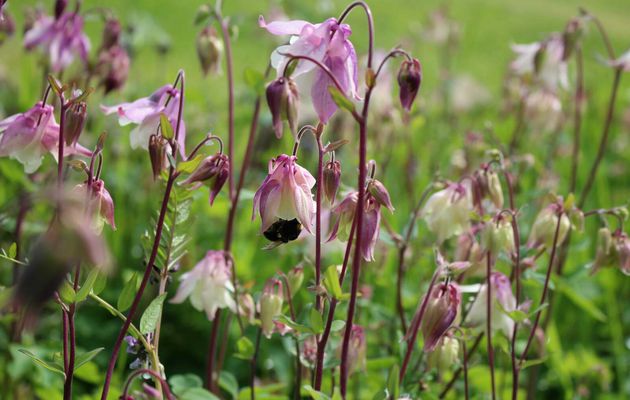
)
(328, 43)
(145, 113)
(7, 25)
(441, 310)
(28, 136)
(445, 354)
(213, 171)
(623, 62)
(613, 249)
(208, 285)
(447, 212)
(101, 203)
(503, 301)
(61, 38)
(285, 194)
(270, 306)
(544, 228)
(543, 61)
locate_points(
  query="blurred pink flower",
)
(101, 202)
(28, 136)
(441, 311)
(62, 39)
(285, 194)
(208, 285)
(145, 113)
(503, 301)
(545, 60)
(327, 43)
(213, 171)
(623, 62)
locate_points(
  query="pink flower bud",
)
(7, 26)
(247, 307)
(101, 203)
(623, 249)
(357, 349)
(270, 305)
(213, 171)
(209, 50)
(282, 98)
(113, 67)
(60, 7)
(75, 118)
(111, 33)
(409, 80)
(157, 154)
(441, 311)
(380, 194)
(332, 179)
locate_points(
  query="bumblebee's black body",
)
(284, 231)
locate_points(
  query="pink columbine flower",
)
(208, 285)
(101, 203)
(213, 171)
(543, 59)
(145, 113)
(441, 310)
(62, 39)
(503, 301)
(285, 194)
(623, 62)
(28, 136)
(375, 197)
(327, 43)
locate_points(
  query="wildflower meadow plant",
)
(401, 245)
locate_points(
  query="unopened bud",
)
(380, 193)
(282, 98)
(623, 250)
(111, 33)
(157, 153)
(571, 36)
(576, 216)
(270, 306)
(209, 50)
(357, 349)
(544, 228)
(113, 67)
(295, 278)
(332, 179)
(495, 193)
(409, 81)
(605, 250)
(7, 26)
(247, 307)
(498, 236)
(75, 118)
(60, 7)
(441, 310)
(212, 171)
(445, 355)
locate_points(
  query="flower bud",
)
(445, 355)
(494, 189)
(247, 307)
(209, 50)
(295, 278)
(270, 306)
(357, 349)
(282, 98)
(544, 228)
(498, 236)
(447, 212)
(441, 310)
(75, 118)
(111, 33)
(332, 179)
(571, 36)
(157, 153)
(605, 249)
(380, 193)
(213, 171)
(7, 26)
(409, 80)
(113, 67)
(60, 7)
(623, 250)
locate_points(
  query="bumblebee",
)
(283, 231)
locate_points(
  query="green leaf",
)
(315, 395)
(517, 315)
(335, 145)
(197, 394)
(99, 284)
(204, 14)
(82, 294)
(167, 128)
(331, 282)
(579, 300)
(151, 315)
(245, 348)
(127, 294)
(254, 79)
(67, 293)
(228, 382)
(39, 361)
(86, 357)
(393, 382)
(340, 99)
(294, 325)
(55, 85)
(316, 321)
(181, 383)
(190, 165)
(337, 325)
(12, 253)
(531, 363)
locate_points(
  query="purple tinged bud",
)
(380, 193)
(441, 311)
(157, 153)
(571, 36)
(409, 80)
(7, 26)
(75, 118)
(111, 33)
(270, 305)
(60, 7)
(209, 50)
(113, 67)
(151, 392)
(282, 98)
(213, 171)
(332, 179)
